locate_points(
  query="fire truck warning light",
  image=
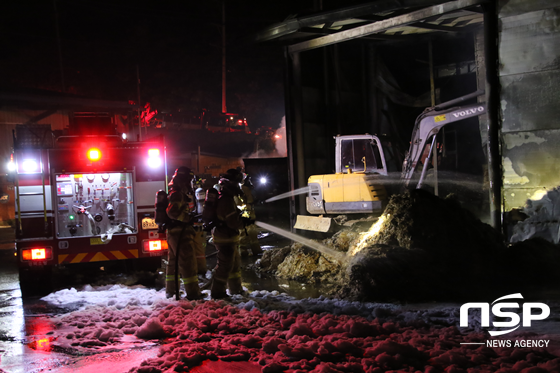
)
(94, 154)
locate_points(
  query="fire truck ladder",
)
(43, 193)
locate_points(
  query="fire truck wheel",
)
(35, 281)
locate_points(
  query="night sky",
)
(176, 46)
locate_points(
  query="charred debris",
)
(423, 247)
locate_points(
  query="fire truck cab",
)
(85, 198)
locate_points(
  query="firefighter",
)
(248, 240)
(226, 238)
(200, 237)
(181, 235)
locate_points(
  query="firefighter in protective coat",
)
(181, 235)
(200, 238)
(225, 235)
(248, 241)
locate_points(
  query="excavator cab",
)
(353, 189)
(359, 153)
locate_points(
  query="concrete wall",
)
(529, 54)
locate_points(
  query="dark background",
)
(174, 45)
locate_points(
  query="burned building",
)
(374, 67)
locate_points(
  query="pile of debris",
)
(539, 219)
(300, 263)
(422, 247)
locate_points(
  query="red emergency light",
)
(93, 154)
(154, 160)
(42, 253)
(155, 245)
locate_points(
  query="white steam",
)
(280, 137)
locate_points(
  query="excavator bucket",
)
(313, 223)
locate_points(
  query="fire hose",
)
(91, 223)
(121, 228)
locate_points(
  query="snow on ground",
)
(273, 332)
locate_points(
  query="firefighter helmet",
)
(183, 175)
(234, 175)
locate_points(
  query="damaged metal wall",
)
(529, 54)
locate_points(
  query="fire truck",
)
(84, 199)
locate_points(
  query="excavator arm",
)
(427, 127)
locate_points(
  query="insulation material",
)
(304, 264)
(543, 219)
(272, 258)
(309, 263)
(424, 247)
(420, 240)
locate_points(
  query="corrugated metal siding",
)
(529, 52)
(531, 101)
(530, 42)
(508, 8)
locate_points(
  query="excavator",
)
(357, 186)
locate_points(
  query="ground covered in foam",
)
(272, 332)
(285, 341)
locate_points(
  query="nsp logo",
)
(528, 316)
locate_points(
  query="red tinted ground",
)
(211, 335)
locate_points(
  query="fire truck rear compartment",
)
(85, 204)
(94, 204)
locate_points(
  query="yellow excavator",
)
(357, 187)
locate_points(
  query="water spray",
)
(340, 257)
(394, 178)
(291, 193)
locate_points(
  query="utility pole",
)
(139, 110)
(224, 110)
(59, 47)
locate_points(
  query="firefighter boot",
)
(218, 290)
(170, 286)
(234, 286)
(193, 291)
(256, 249)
